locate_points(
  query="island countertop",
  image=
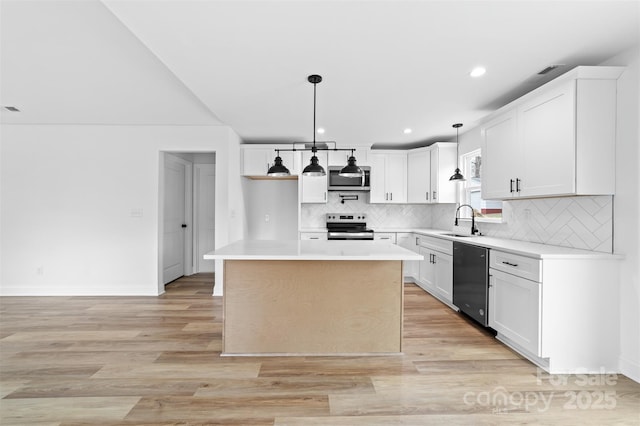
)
(312, 250)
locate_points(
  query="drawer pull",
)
(510, 264)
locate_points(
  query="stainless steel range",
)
(348, 226)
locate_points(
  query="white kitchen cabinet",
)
(340, 158)
(444, 276)
(419, 176)
(410, 268)
(559, 312)
(313, 189)
(515, 309)
(515, 299)
(500, 157)
(388, 177)
(557, 140)
(436, 270)
(443, 164)
(313, 235)
(385, 236)
(257, 159)
(427, 272)
(428, 172)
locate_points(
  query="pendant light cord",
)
(458, 148)
(314, 115)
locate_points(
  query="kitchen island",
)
(312, 297)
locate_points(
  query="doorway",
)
(186, 215)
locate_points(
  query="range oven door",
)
(343, 235)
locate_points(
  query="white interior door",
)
(173, 256)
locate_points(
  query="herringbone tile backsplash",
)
(579, 222)
(378, 215)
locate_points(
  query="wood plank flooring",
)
(155, 361)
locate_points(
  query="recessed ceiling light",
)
(407, 131)
(477, 72)
(320, 130)
(11, 108)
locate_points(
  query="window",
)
(470, 191)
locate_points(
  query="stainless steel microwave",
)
(341, 183)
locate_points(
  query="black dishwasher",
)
(471, 281)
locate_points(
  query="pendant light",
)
(314, 169)
(457, 176)
(351, 169)
(278, 169)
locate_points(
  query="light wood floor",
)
(155, 361)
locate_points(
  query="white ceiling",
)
(386, 65)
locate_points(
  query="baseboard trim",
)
(630, 369)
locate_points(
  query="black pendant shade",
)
(314, 169)
(351, 169)
(278, 169)
(457, 176)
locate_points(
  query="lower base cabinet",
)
(436, 269)
(410, 267)
(559, 312)
(515, 309)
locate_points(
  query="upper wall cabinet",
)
(557, 140)
(313, 189)
(428, 171)
(256, 159)
(388, 177)
(339, 158)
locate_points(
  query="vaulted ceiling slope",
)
(73, 62)
(387, 65)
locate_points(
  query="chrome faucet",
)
(474, 230)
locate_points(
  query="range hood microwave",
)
(340, 183)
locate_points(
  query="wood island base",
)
(312, 307)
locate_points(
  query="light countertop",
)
(312, 250)
(524, 248)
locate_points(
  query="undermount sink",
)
(450, 234)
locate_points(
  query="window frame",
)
(469, 186)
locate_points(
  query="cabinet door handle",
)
(511, 185)
(416, 240)
(325, 196)
(426, 194)
(510, 264)
(517, 185)
(434, 196)
(391, 195)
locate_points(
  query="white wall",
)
(277, 199)
(627, 210)
(69, 194)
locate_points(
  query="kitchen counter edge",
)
(523, 248)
